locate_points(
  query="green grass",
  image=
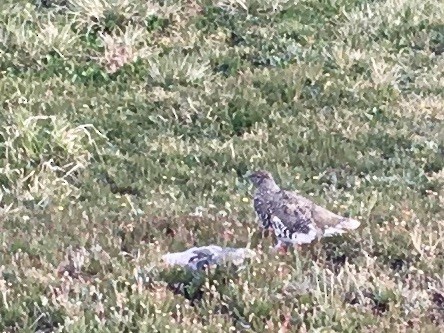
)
(118, 121)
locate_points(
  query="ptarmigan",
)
(295, 219)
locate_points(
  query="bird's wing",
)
(324, 219)
(262, 209)
(293, 221)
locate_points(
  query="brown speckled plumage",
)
(294, 218)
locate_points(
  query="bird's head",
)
(260, 177)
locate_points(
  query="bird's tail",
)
(342, 227)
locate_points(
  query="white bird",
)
(295, 219)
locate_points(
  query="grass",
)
(121, 119)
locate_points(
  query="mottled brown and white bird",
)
(295, 219)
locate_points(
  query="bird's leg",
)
(317, 248)
(263, 232)
(283, 250)
(280, 248)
